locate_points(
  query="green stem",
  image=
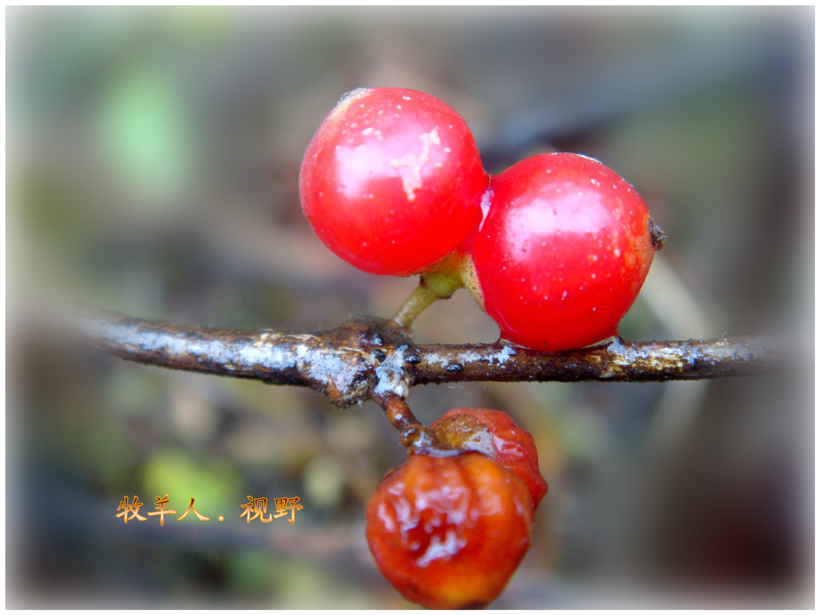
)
(440, 282)
(416, 303)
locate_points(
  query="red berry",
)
(563, 252)
(392, 180)
(448, 532)
(495, 435)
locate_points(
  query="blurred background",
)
(152, 162)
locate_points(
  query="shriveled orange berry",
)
(494, 434)
(448, 532)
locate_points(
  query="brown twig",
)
(411, 431)
(369, 358)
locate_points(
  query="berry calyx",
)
(392, 180)
(448, 532)
(562, 253)
(494, 434)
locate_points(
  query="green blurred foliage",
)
(214, 485)
(145, 132)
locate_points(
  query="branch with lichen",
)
(370, 358)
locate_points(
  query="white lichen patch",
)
(435, 359)
(391, 377)
(655, 359)
(472, 356)
(501, 357)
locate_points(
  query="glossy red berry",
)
(392, 180)
(448, 532)
(562, 253)
(495, 435)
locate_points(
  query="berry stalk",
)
(411, 431)
(439, 282)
